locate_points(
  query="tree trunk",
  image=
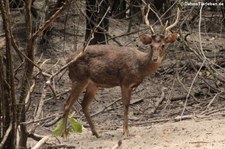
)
(28, 70)
(9, 123)
(95, 11)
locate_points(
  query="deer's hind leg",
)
(77, 88)
(88, 97)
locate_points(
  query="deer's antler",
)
(147, 21)
(174, 24)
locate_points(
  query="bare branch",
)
(52, 19)
(6, 135)
(41, 142)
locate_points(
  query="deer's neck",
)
(149, 67)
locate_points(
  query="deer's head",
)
(158, 41)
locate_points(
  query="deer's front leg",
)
(126, 94)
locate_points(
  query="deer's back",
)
(107, 65)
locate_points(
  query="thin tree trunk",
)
(10, 120)
(28, 70)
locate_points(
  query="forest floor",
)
(162, 115)
(189, 134)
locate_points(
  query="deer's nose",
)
(154, 58)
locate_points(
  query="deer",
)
(106, 66)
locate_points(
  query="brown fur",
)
(109, 66)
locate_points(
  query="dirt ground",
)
(190, 134)
(162, 115)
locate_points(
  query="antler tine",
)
(164, 28)
(175, 23)
(147, 21)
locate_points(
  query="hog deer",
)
(104, 66)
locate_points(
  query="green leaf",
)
(75, 126)
(58, 131)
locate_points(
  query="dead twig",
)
(63, 146)
(7, 132)
(103, 109)
(34, 136)
(183, 117)
(53, 121)
(159, 101)
(213, 111)
(149, 122)
(42, 119)
(41, 142)
(40, 105)
(29, 93)
(208, 106)
(59, 95)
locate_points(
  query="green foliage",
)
(73, 126)
(58, 131)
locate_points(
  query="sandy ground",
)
(206, 134)
(188, 134)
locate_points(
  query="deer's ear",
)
(145, 39)
(171, 38)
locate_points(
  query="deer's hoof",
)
(96, 135)
(126, 134)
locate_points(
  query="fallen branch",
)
(149, 122)
(53, 121)
(208, 106)
(212, 112)
(158, 101)
(35, 137)
(63, 146)
(183, 117)
(41, 142)
(39, 120)
(103, 109)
